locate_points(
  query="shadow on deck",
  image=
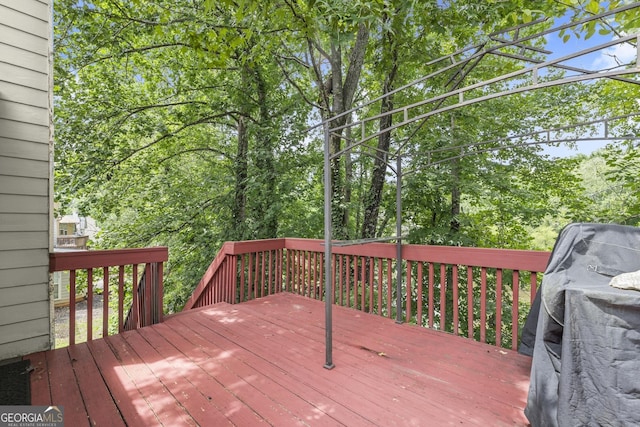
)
(262, 361)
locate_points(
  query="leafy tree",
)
(172, 122)
(184, 123)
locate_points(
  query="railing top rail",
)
(513, 259)
(247, 246)
(76, 260)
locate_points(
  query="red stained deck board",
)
(282, 386)
(262, 362)
(40, 389)
(64, 388)
(464, 372)
(371, 380)
(95, 394)
(411, 338)
(205, 380)
(466, 366)
(295, 406)
(319, 400)
(175, 378)
(160, 400)
(244, 388)
(370, 396)
(127, 397)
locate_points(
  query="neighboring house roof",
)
(70, 219)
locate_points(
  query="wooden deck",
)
(262, 362)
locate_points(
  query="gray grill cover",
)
(586, 347)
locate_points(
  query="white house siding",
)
(25, 176)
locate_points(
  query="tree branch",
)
(356, 60)
(195, 150)
(169, 135)
(295, 85)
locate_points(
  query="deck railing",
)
(76, 242)
(241, 271)
(117, 274)
(483, 294)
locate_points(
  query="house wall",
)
(67, 230)
(25, 176)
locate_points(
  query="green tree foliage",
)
(184, 123)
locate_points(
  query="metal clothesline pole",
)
(399, 241)
(328, 277)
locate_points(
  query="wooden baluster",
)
(371, 265)
(135, 308)
(121, 298)
(499, 307)
(363, 273)
(288, 272)
(242, 277)
(470, 302)
(276, 270)
(89, 304)
(347, 277)
(419, 295)
(280, 269)
(334, 279)
(515, 307)
(319, 272)
(456, 308)
(431, 292)
(316, 292)
(408, 309)
(443, 297)
(160, 292)
(72, 307)
(341, 279)
(147, 296)
(380, 288)
(263, 268)
(483, 304)
(250, 279)
(105, 301)
(300, 273)
(270, 280)
(355, 282)
(256, 275)
(389, 288)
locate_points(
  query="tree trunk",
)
(265, 213)
(241, 172)
(374, 195)
(336, 96)
(348, 179)
(343, 95)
